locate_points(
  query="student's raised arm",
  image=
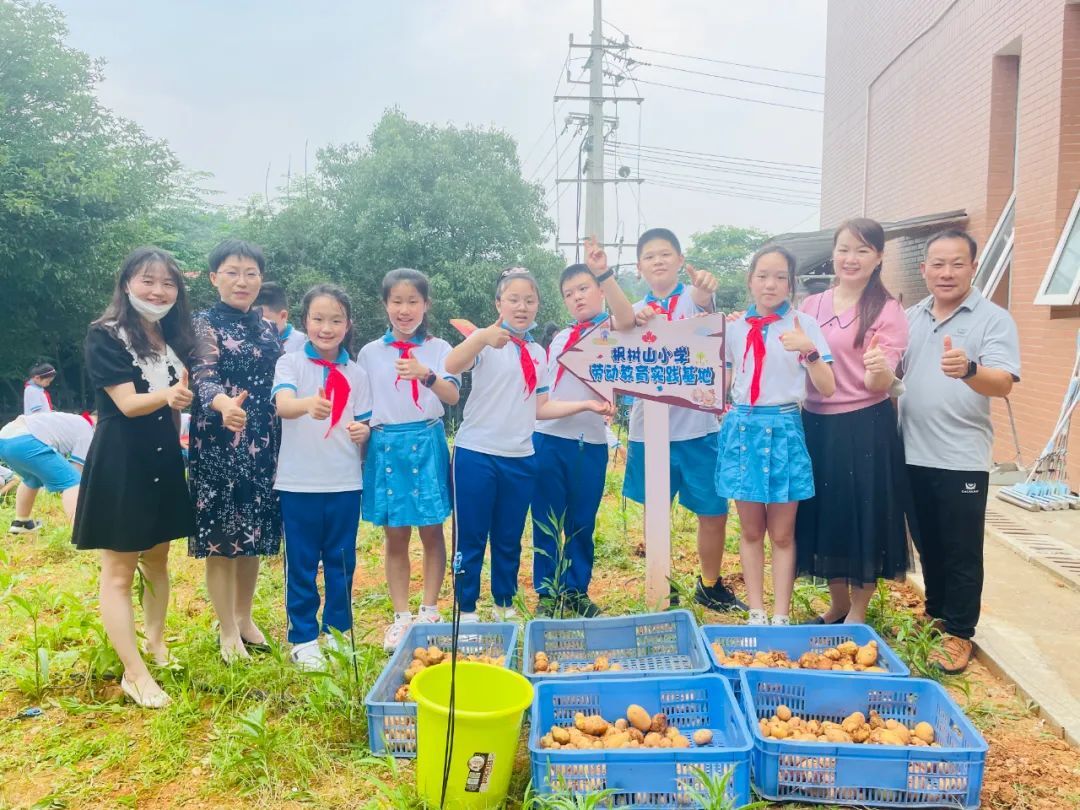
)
(463, 356)
(622, 311)
(703, 288)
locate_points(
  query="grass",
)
(261, 734)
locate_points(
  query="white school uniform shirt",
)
(784, 375)
(292, 339)
(66, 433)
(500, 416)
(35, 400)
(309, 460)
(587, 426)
(683, 423)
(392, 401)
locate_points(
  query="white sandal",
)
(158, 701)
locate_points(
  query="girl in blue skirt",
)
(406, 476)
(763, 463)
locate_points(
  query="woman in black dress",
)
(234, 443)
(133, 499)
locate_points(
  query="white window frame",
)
(1073, 295)
(998, 270)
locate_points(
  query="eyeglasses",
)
(233, 275)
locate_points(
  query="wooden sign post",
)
(664, 363)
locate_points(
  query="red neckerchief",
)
(755, 339)
(89, 419)
(406, 347)
(337, 390)
(528, 368)
(45, 391)
(576, 332)
(667, 306)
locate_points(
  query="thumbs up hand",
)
(954, 362)
(796, 340)
(495, 336)
(318, 406)
(179, 396)
(701, 279)
(874, 359)
(233, 415)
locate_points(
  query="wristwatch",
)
(429, 380)
(973, 368)
(813, 357)
(600, 279)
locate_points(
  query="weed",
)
(711, 792)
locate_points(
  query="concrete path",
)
(1030, 627)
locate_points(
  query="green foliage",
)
(724, 251)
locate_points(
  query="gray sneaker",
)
(24, 526)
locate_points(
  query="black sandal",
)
(256, 646)
(821, 620)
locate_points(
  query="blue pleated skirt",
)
(763, 456)
(407, 475)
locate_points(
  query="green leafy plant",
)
(711, 792)
(563, 798)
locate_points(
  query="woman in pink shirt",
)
(852, 532)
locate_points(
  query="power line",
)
(724, 62)
(724, 183)
(731, 78)
(729, 96)
(766, 175)
(715, 156)
(715, 193)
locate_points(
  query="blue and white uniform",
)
(494, 468)
(42, 447)
(407, 474)
(319, 477)
(292, 339)
(571, 459)
(763, 456)
(36, 399)
(692, 433)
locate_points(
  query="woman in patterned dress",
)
(234, 444)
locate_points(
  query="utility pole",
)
(594, 189)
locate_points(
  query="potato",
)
(702, 736)
(888, 736)
(853, 721)
(402, 694)
(552, 667)
(925, 732)
(783, 712)
(848, 649)
(652, 740)
(560, 735)
(420, 654)
(659, 723)
(638, 717)
(546, 741)
(540, 662)
(780, 731)
(671, 732)
(434, 655)
(619, 739)
(679, 741)
(616, 667)
(579, 721)
(601, 663)
(636, 735)
(867, 655)
(594, 725)
(665, 743)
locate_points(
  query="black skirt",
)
(855, 526)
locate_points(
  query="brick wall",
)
(920, 118)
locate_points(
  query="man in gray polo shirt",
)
(962, 351)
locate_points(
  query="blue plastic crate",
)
(643, 777)
(650, 644)
(392, 724)
(795, 640)
(846, 773)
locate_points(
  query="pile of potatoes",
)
(845, 657)
(424, 657)
(855, 728)
(638, 729)
(541, 663)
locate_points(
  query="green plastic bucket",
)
(488, 708)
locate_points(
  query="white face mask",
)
(411, 330)
(151, 312)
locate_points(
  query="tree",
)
(725, 251)
(447, 201)
(74, 181)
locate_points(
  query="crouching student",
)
(494, 467)
(407, 473)
(763, 462)
(572, 451)
(324, 401)
(47, 449)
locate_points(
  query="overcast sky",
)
(236, 86)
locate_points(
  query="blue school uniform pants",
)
(491, 499)
(319, 527)
(569, 487)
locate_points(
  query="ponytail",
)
(871, 302)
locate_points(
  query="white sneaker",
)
(332, 642)
(308, 656)
(781, 621)
(757, 617)
(472, 617)
(428, 615)
(395, 633)
(505, 614)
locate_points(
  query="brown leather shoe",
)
(954, 655)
